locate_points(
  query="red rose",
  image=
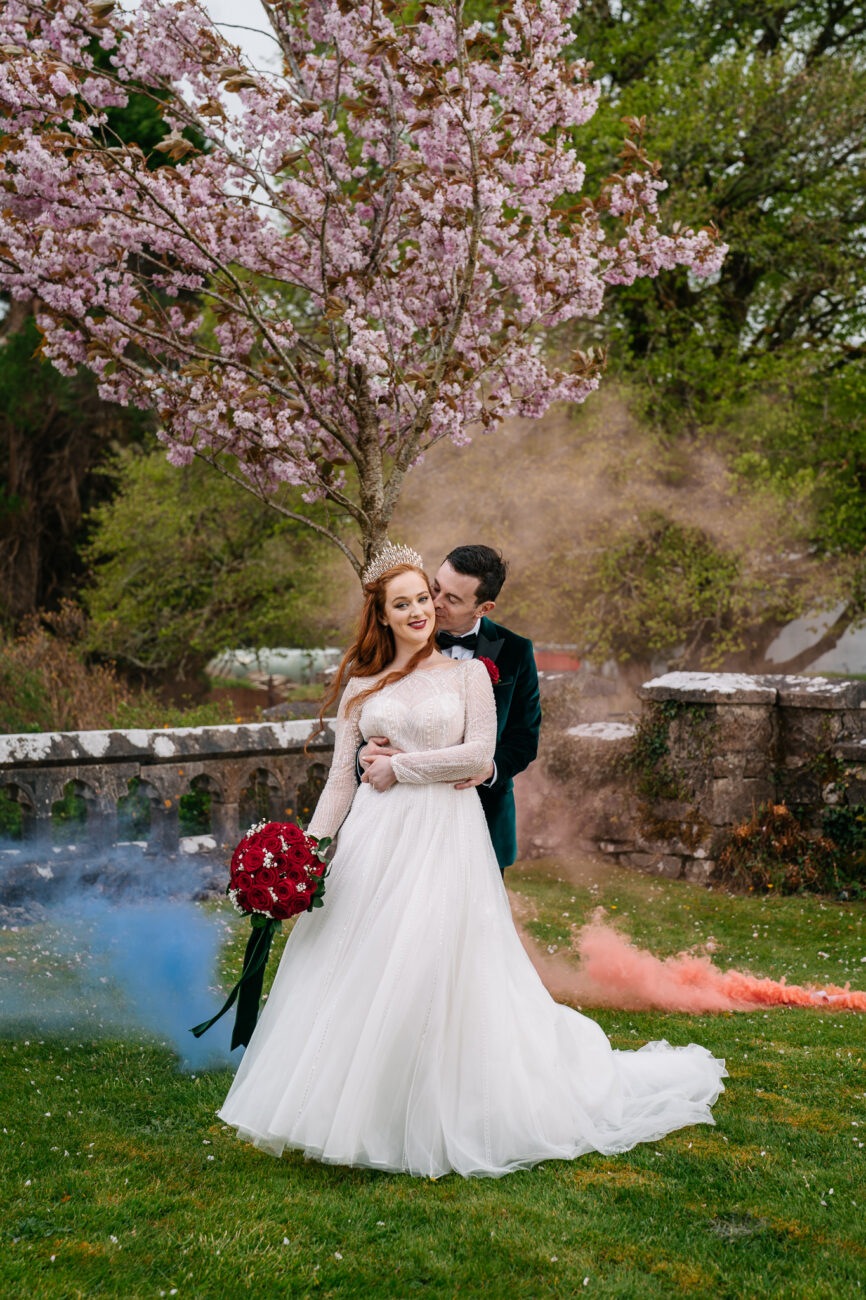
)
(243, 880)
(253, 858)
(298, 855)
(281, 911)
(283, 891)
(270, 842)
(296, 873)
(259, 899)
(316, 889)
(266, 876)
(242, 900)
(292, 834)
(491, 668)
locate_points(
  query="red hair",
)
(374, 647)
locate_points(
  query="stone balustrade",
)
(260, 766)
(660, 792)
(663, 792)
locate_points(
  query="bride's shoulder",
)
(352, 687)
(356, 684)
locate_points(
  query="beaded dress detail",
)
(406, 1028)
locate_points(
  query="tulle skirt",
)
(407, 1029)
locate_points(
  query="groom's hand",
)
(376, 747)
(476, 780)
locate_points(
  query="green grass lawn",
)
(119, 1181)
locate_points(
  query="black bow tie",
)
(446, 640)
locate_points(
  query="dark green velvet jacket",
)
(518, 715)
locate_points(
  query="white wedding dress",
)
(407, 1028)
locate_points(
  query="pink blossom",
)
(366, 256)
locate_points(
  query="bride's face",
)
(409, 610)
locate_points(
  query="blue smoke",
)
(114, 947)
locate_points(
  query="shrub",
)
(773, 851)
(47, 684)
(11, 817)
(186, 564)
(845, 826)
(657, 583)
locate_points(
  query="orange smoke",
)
(613, 973)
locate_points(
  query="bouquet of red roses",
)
(276, 872)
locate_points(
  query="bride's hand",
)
(380, 774)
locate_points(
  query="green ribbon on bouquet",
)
(248, 990)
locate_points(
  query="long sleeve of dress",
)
(474, 755)
(336, 798)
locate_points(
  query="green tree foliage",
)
(186, 564)
(780, 452)
(659, 584)
(758, 115)
(53, 430)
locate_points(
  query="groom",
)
(464, 595)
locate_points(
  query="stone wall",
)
(711, 748)
(227, 762)
(662, 792)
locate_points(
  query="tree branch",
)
(281, 509)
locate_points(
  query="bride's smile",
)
(408, 613)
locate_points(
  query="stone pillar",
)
(164, 833)
(574, 797)
(822, 734)
(722, 743)
(224, 823)
(773, 739)
(47, 786)
(101, 823)
(164, 783)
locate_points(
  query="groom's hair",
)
(483, 563)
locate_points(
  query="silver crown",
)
(388, 558)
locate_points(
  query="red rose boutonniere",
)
(491, 668)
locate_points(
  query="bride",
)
(406, 1028)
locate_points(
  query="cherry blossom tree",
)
(353, 257)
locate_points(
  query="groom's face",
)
(455, 600)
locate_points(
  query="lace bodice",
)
(443, 718)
